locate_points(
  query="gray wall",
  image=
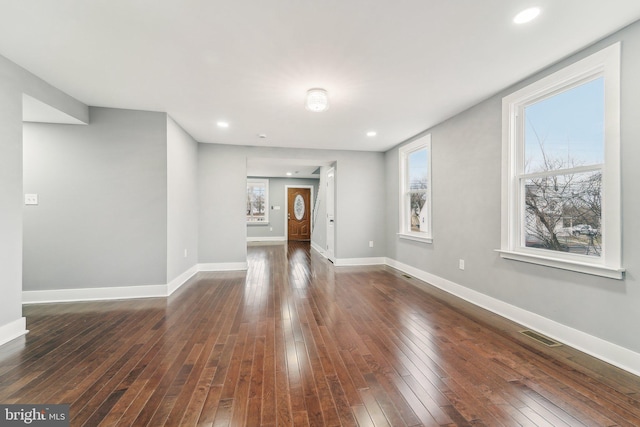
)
(182, 200)
(222, 187)
(102, 217)
(277, 197)
(466, 218)
(14, 81)
(222, 191)
(360, 205)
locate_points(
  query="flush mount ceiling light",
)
(223, 124)
(527, 15)
(372, 133)
(317, 100)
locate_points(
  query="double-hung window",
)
(415, 190)
(561, 168)
(257, 201)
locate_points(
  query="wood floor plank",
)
(362, 416)
(268, 398)
(347, 386)
(296, 341)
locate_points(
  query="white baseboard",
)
(346, 262)
(318, 249)
(267, 239)
(13, 330)
(604, 350)
(93, 294)
(124, 292)
(223, 266)
(176, 283)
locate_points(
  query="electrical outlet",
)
(30, 199)
(270, 228)
(370, 243)
(461, 264)
(185, 253)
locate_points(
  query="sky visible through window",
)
(418, 169)
(569, 127)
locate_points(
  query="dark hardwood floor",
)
(295, 341)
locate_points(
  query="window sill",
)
(579, 267)
(415, 238)
(258, 223)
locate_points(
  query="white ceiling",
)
(393, 67)
(274, 167)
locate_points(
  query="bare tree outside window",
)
(417, 204)
(563, 213)
(257, 201)
(418, 186)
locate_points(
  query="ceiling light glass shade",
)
(317, 100)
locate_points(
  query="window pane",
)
(566, 130)
(256, 202)
(415, 189)
(563, 213)
(418, 172)
(418, 212)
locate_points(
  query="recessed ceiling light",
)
(527, 15)
(223, 124)
(289, 174)
(372, 133)
(262, 135)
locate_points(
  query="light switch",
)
(30, 199)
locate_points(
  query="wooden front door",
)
(299, 214)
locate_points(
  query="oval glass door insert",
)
(298, 207)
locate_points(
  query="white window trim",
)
(403, 154)
(603, 63)
(266, 201)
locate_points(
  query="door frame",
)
(286, 209)
(330, 253)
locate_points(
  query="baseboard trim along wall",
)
(604, 350)
(223, 266)
(124, 292)
(94, 294)
(348, 262)
(318, 249)
(13, 330)
(267, 239)
(176, 283)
